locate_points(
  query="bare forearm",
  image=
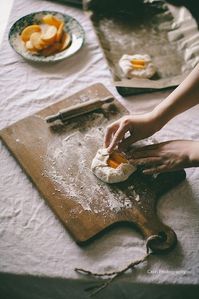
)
(185, 96)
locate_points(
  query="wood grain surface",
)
(57, 159)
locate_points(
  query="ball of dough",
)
(108, 174)
(137, 66)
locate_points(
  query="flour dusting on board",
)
(68, 163)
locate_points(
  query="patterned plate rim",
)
(51, 58)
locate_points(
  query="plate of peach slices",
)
(46, 36)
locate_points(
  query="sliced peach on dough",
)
(138, 63)
(112, 163)
(116, 159)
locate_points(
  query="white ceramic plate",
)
(71, 26)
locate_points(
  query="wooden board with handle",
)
(57, 159)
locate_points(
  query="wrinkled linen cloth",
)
(33, 242)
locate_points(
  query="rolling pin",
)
(79, 109)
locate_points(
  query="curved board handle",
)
(143, 213)
(154, 226)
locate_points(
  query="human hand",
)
(167, 156)
(139, 127)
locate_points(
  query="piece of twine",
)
(115, 274)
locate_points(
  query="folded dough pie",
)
(111, 168)
(137, 66)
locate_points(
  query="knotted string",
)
(116, 274)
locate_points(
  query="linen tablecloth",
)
(37, 255)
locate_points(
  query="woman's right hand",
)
(139, 127)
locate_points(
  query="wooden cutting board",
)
(58, 161)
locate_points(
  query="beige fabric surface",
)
(32, 240)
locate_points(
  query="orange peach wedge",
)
(30, 47)
(36, 40)
(116, 159)
(113, 164)
(60, 31)
(49, 36)
(27, 32)
(138, 64)
(51, 20)
(66, 41)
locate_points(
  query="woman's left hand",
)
(167, 156)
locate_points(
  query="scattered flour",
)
(68, 163)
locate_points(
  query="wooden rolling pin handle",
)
(79, 109)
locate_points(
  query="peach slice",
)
(49, 36)
(51, 20)
(66, 41)
(138, 64)
(138, 67)
(60, 31)
(36, 41)
(112, 163)
(28, 31)
(30, 47)
(116, 159)
(138, 61)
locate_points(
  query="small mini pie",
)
(111, 168)
(137, 66)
